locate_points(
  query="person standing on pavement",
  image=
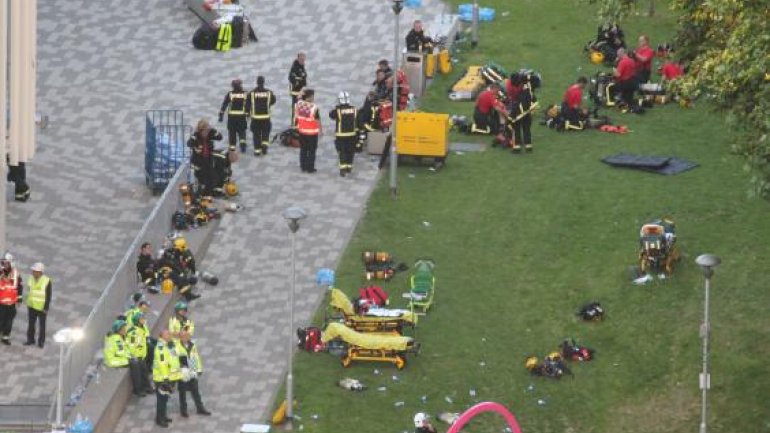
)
(166, 371)
(137, 338)
(202, 159)
(258, 104)
(11, 291)
(38, 301)
(297, 81)
(235, 99)
(308, 124)
(345, 132)
(192, 369)
(179, 322)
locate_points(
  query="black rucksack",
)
(591, 312)
(205, 38)
(237, 32)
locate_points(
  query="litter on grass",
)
(382, 388)
(541, 402)
(448, 399)
(398, 404)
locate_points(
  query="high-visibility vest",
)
(260, 104)
(9, 288)
(175, 325)
(116, 353)
(305, 113)
(225, 37)
(36, 295)
(194, 362)
(136, 338)
(346, 121)
(165, 363)
(237, 104)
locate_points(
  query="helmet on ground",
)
(180, 243)
(344, 98)
(597, 57)
(167, 286)
(531, 363)
(231, 189)
(554, 356)
(180, 306)
(419, 419)
(118, 325)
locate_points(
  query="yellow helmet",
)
(531, 363)
(180, 243)
(554, 356)
(231, 189)
(167, 286)
(596, 57)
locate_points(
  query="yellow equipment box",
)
(422, 134)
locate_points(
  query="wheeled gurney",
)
(370, 346)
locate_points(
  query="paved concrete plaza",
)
(101, 64)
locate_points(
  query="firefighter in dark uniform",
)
(18, 175)
(258, 104)
(202, 157)
(521, 115)
(345, 117)
(297, 81)
(236, 115)
(367, 119)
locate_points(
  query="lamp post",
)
(475, 24)
(293, 215)
(707, 262)
(65, 338)
(397, 8)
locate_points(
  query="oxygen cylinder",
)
(444, 62)
(430, 64)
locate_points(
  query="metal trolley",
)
(166, 148)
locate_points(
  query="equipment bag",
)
(205, 38)
(591, 312)
(374, 294)
(238, 27)
(310, 339)
(288, 138)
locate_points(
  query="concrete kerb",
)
(265, 417)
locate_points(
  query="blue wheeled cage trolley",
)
(166, 149)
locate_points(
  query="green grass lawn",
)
(522, 241)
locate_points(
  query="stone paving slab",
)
(101, 65)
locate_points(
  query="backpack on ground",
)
(310, 339)
(374, 295)
(591, 312)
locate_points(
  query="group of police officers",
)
(255, 107)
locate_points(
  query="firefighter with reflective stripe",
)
(297, 81)
(11, 290)
(367, 119)
(18, 175)
(179, 321)
(202, 160)
(236, 115)
(118, 355)
(166, 372)
(486, 115)
(520, 118)
(345, 132)
(192, 368)
(38, 300)
(258, 104)
(308, 124)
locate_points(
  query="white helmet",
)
(7, 258)
(344, 98)
(419, 419)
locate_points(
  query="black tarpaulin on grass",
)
(667, 165)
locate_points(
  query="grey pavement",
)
(101, 64)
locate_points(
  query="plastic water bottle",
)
(398, 404)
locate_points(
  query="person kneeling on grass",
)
(572, 112)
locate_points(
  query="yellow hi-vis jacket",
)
(116, 353)
(136, 338)
(36, 295)
(165, 364)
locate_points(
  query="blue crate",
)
(165, 146)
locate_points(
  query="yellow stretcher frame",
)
(373, 347)
(339, 302)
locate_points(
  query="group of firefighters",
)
(505, 110)
(38, 300)
(171, 361)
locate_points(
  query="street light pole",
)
(397, 7)
(65, 337)
(293, 215)
(707, 262)
(475, 24)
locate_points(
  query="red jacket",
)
(487, 101)
(626, 69)
(671, 70)
(573, 96)
(644, 57)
